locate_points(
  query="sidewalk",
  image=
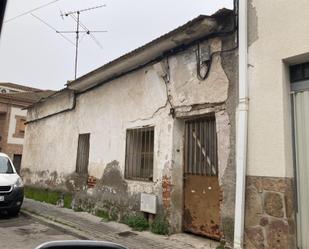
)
(91, 227)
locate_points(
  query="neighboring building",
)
(7, 87)
(278, 69)
(155, 127)
(14, 99)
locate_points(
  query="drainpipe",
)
(241, 125)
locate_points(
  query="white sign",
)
(148, 203)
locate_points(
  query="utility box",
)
(148, 203)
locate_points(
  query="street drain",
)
(127, 234)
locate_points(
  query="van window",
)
(5, 166)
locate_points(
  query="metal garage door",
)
(301, 134)
(201, 185)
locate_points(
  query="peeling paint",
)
(223, 136)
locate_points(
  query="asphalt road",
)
(24, 232)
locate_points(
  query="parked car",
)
(11, 187)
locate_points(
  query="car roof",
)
(4, 155)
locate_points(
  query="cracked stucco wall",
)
(135, 100)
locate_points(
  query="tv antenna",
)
(75, 15)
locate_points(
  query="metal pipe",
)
(242, 125)
(76, 45)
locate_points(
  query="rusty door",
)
(201, 186)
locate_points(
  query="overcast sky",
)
(31, 53)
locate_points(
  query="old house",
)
(189, 127)
(153, 130)
(13, 99)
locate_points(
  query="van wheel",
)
(14, 212)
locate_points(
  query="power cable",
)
(208, 63)
(51, 27)
(30, 11)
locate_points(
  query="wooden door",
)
(82, 158)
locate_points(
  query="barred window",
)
(139, 154)
(201, 147)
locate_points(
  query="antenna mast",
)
(78, 31)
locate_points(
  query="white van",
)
(11, 187)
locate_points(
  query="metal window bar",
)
(201, 147)
(139, 154)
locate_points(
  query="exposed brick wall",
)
(270, 213)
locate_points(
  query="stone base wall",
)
(270, 213)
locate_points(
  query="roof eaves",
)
(43, 99)
(18, 86)
(180, 36)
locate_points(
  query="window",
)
(201, 147)
(299, 72)
(82, 153)
(5, 166)
(299, 77)
(20, 126)
(139, 154)
(17, 162)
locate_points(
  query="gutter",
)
(241, 125)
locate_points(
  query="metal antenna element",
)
(76, 16)
(83, 10)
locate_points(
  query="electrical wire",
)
(30, 11)
(208, 63)
(51, 27)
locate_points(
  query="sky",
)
(33, 54)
